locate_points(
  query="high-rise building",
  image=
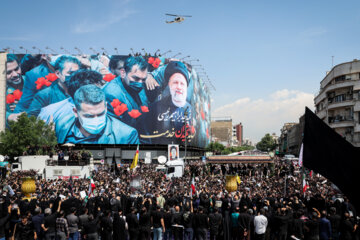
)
(239, 134)
(338, 102)
(221, 130)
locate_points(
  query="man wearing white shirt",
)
(260, 223)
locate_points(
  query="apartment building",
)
(338, 101)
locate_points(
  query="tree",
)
(267, 143)
(27, 133)
(215, 147)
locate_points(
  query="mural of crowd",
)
(102, 99)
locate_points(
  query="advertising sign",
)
(101, 99)
(173, 152)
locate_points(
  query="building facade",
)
(222, 130)
(239, 133)
(283, 139)
(338, 101)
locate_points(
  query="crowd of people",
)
(269, 203)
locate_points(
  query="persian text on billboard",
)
(110, 99)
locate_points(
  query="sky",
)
(265, 58)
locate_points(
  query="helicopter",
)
(177, 19)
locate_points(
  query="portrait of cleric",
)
(109, 99)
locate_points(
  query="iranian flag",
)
(193, 189)
(91, 186)
(304, 184)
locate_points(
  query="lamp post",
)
(185, 123)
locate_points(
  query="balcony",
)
(340, 102)
(341, 121)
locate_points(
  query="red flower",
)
(109, 77)
(40, 82)
(144, 109)
(151, 60)
(120, 109)
(157, 61)
(10, 99)
(192, 129)
(134, 113)
(115, 103)
(47, 83)
(17, 94)
(51, 77)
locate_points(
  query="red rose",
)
(17, 94)
(150, 60)
(157, 61)
(144, 109)
(51, 77)
(202, 115)
(40, 82)
(47, 83)
(115, 103)
(155, 65)
(120, 109)
(134, 113)
(10, 99)
(109, 77)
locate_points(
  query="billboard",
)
(110, 99)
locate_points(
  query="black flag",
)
(116, 169)
(328, 153)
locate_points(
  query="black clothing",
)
(50, 223)
(119, 227)
(156, 218)
(215, 220)
(24, 232)
(335, 221)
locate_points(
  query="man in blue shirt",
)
(14, 81)
(30, 86)
(64, 67)
(91, 123)
(128, 88)
(56, 111)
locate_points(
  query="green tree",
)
(215, 148)
(27, 132)
(267, 143)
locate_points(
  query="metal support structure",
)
(185, 123)
(163, 54)
(178, 54)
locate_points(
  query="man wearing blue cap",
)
(166, 118)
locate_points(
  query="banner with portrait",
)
(110, 99)
(173, 152)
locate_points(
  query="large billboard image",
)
(101, 99)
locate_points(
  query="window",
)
(340, 78)
(74, 172)
(57, 172)
(340, 98)
(171, 169)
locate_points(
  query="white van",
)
(173, 168)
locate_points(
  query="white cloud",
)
(97, 24)
(261, 116)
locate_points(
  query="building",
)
(338, 101)
(222, 130)
(283, 140)
(238, 129)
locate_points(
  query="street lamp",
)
(178, 54)
(163, 54)
(186, 113)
